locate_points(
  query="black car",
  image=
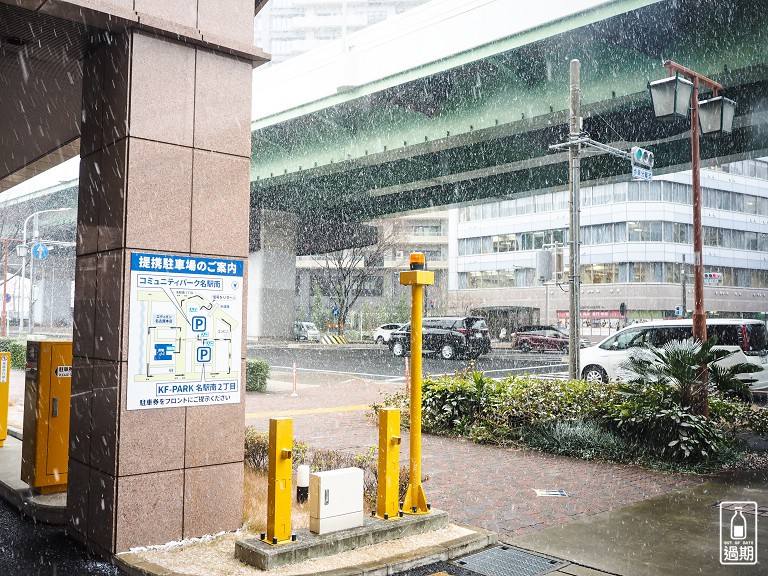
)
(450, 337)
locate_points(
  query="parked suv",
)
(381, 334)
(748, 339)
(450, 337)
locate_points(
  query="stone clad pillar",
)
(165, 165)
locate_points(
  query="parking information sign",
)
(185, 332)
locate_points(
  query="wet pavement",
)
(29, 548)
(614, 519)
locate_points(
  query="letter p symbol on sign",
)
(204, 354)
(198, 323)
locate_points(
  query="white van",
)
(747, 338)
(306, 331)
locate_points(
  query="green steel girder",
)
(482, 129)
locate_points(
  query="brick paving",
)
(480, 485)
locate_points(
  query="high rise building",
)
(635, 250)
(287, 28)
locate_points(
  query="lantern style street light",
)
(674, 97)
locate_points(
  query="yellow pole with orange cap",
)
(417, 277)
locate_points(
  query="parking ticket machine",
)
(45, 449)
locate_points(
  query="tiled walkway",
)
(483, 486)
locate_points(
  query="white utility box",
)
(335, 500)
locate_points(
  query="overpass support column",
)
(272, 276)
(165, 160)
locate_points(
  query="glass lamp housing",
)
(716, 115)
(671, 97)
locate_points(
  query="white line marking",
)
(384, 376)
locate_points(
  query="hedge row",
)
(18, 349)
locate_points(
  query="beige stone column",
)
(164, 169)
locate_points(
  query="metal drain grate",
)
(508, 561)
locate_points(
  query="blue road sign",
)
(336, 312)
(639, 173)
(39, 251)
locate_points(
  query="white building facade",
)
(636, 248)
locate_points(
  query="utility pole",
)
(574, 163)
(682, 282)
(642, 162)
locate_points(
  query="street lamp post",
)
(675, 96)
(4, 316)
(24, 251)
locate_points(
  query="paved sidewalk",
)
(485, 486)
(614, 520)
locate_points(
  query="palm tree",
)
(678, 365)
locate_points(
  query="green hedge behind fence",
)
(18, 349)
(256, 374)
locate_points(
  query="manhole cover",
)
(508, 561)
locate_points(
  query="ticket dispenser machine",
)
(45, 449)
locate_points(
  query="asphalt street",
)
(377, 363)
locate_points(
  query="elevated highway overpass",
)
(383, 122)
(477, 124)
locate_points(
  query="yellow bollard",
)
(417, 277)
(280, 474)
(5, 385)
(387, 498)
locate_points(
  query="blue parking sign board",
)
(185, 331)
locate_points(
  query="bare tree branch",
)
(347, 272)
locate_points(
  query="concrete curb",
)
(132, 565)
(310, 546)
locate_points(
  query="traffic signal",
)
(642, 157)
(623, 309)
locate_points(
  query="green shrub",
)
(473, 405)
(652, 416)
(18, 349)
(736, 417)
(256, 375)
(586, 439)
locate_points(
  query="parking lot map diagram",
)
(185, 331)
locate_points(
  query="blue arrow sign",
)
(39, 251)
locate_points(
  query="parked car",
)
(306, 331)
(748, 339)
(543, 338)
(449, 337)
(381, 334)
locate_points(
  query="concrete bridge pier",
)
(272, 275)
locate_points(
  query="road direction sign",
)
(639, 173)
(39, 251)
